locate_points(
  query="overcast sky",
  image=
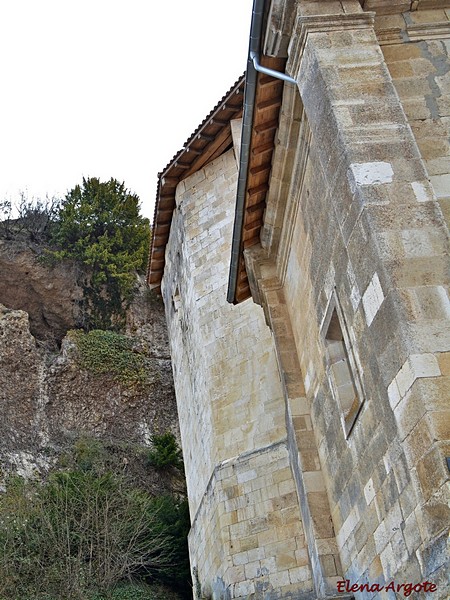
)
(109, 88)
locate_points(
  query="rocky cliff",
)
(48, 396)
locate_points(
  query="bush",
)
(87, 528)
(28, 219)
(174, 524)
(87, 454)
(137, 592)
(107, 352)
(165, 452)
(99, 225)
(81, 529)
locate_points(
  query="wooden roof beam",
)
(169, 181)
(260, 169)
(253, 226)
(210, 151)
(233, 107)
(268, 126)
(262, 148)
(270, 103)
(193, 151)
(203, 136)
(164, 216)
(216, 121)
(263, 187)
(167, 202)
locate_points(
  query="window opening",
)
(342, 369)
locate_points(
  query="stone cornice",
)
(413, 33)
(323, 24)
(279, 27)
(335, 22)
(262, 276)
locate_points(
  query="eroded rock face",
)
(50, 296)
(21, 366)
(79, 400)
(46, 398)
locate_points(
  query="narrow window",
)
(342, 371)
(176, 301)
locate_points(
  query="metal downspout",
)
(255, 59)
(247, 122)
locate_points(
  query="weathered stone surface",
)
(231, 406)
(51, 297)
(46, 399)
(353, 227)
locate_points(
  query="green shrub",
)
(107, 352)
(88, 454)
(165, 452)
(99, 225)
(174, 524)
(87, 528)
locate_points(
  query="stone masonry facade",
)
(315, 416)
(245, 520)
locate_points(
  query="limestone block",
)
(441, 185)
(372, 298)
(428, 16)
(444, 362)
(408, 412)
(299, 574)
(280, 579)
(432, 470)
(408, 500)
(415, 108)
(400, 52)
(432, 518)
(381, 537)
(443, 105)
(418, 441)
(403, 68)
(371, 173)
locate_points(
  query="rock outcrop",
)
(46, 397)
(50, 295)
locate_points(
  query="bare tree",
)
(29, 219)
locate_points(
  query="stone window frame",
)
(341, 366)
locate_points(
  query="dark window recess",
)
(343, 379)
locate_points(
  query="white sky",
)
(109, 88)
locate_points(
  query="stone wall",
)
(420, 69)
(247, 534)
(315, 426)
(356, 251)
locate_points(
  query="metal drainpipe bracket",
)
(258, 67)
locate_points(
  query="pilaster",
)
(323, 552)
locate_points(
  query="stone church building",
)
(301, 247)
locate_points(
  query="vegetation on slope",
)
(91, 532)
(98, 225)
(108, 352)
